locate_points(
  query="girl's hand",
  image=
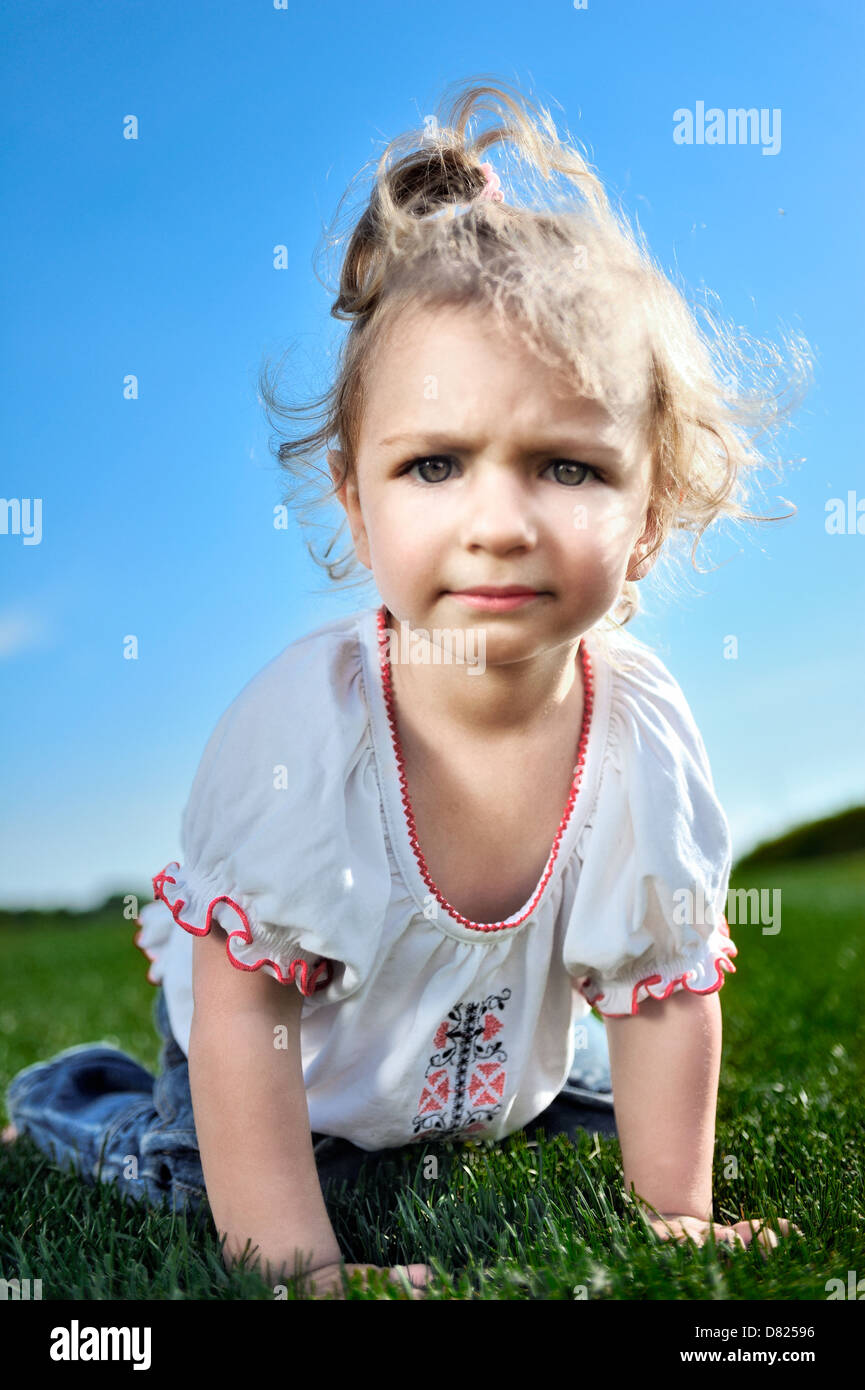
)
(740, 1235)
(327, 1281)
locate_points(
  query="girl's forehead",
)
(447, 370)
(608, 347)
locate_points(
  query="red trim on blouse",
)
(588, 688)
(721, 963)
(307, 982)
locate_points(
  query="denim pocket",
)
(171, 1162)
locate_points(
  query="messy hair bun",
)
(443, 170)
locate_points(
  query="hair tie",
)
(491, 190)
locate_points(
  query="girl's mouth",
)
(495, 603)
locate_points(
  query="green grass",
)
(518, 1220)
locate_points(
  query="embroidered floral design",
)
(465, 1076)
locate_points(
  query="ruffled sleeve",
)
(282, 838)
(654, 859)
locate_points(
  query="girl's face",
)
(476, 467)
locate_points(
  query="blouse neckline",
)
(397, 804)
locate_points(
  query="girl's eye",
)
(434, 460)
(570, 479)
(575, 475)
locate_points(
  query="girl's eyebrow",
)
(567, 442)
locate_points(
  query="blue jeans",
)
(94, 1109)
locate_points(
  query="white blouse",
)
(417, 1023)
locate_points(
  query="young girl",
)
(428, 838)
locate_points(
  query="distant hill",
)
(843, 833)
(110, 912)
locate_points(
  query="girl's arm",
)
(664, 1066)
(251, 1114)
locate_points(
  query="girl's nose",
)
(498, 511)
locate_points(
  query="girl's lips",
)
(495, 603)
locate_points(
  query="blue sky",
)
(154, 257)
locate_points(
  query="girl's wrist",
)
(666, 1218)
(682, 1214)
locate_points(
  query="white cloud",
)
(19, 631)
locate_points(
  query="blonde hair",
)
(580, 287)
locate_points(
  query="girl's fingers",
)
(786, 1228)
(759, 1232)
(417, 1275)
(691, 1228)
(738, 1236)
(766, 1237)
(730, 1235)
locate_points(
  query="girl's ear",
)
(335, 464)
(639, 566)
(347, 494)
(346, 490)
